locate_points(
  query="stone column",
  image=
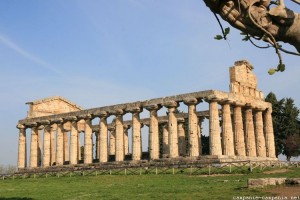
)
(66, 146)
(165, 140)
(53, 144)
(103, 155)
(227, 133)
(78, 146)
(172, 126)
(74, 142)
(268, 126)
(181, 137)
(249, 133)
(88, 140)
(119, 135)
(112, 141)
(259, 133)
(39, 145)
(22, 147)
(47, 147)
(199, 133)
(60, 145)
(214, 129)
(97, 145)
(193, 127)
(34, 147)
(239, 139)
(126, 142)
(136, 133)
(153, 132)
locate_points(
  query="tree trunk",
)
(277, 23)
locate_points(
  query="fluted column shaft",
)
(227, 133)
(126, 142)
(136, 135)
(173, 129)
(78, 147)
(165, 140)
(199, 133)
(270, 143)
(249, 133)
(73, 143)
(22, 147)
(214, 129)
(153, 132)
(239, 139)
(47, 147)
(52, 145)
(193, 127)
(88, 141)
(260, 138)
(181, 138)
(103, 155)
(33, 147)
(39, 146)
(66, 146)
(59, 145)
(112, 141)
(119, 136)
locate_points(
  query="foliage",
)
(286, 125)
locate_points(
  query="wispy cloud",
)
(10, 44)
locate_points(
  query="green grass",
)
(135, 187)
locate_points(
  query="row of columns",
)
(235, 137)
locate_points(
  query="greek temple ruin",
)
(239, 128)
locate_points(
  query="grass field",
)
(136, 186)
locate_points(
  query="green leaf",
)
(227, 31)
(219, 37)
(246, 38)
(281, 67)
(242, 33)
(272, 71)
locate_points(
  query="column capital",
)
(227, 101)
(70, 119)
(57, 121)
(21, 126)
(238, 104)
(30, 124)
(258, 109)
(153, 107)
(134, 110)
(180, 120)
(248, 106)
(101, 114)
(171, 104)
(84, 117)
(269, 109)
(126, 126)
(111, 128)
(117, 112)
(191, 101)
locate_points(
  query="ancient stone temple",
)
(239, 121)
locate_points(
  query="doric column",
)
(214, 128)
(165, 140)
(172, 125)
(39, 145)
(269, 133)
(22, 147)
(53, 144)
(193, 127)
(78, 146)
(59, 144)
(249, 133)
(119, 135)
(227, 133)
(259, 134)
(73, 141)
(112, 141)
(103, 155)
(239, 139)
(33, 147)
(97, 145)
(199, 133)
(88, 140)
(66, 146)
(181, 137)
(126, 142)
(136, 133)
(47, 147)
(153, 132)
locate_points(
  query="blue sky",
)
(99, 52)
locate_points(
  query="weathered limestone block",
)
(292, 181)
(262, 182)
(269, 133)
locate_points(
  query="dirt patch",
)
(291, 192)
(277, 171)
